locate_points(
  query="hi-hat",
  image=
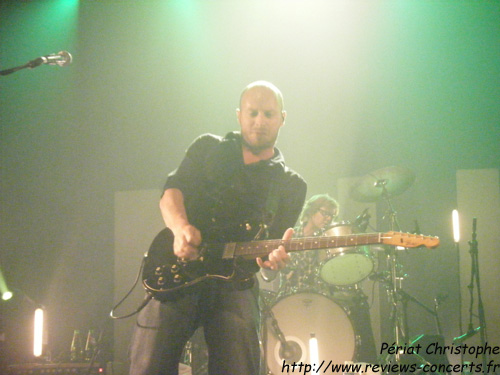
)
(382, 183)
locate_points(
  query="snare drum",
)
(347, 265)
(302, 315)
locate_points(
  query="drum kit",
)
(295, 317)
(292, 319)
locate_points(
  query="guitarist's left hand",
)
(278, 258)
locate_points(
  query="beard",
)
(259, 146)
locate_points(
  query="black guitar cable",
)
(141, 306)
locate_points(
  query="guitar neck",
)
(254, 249)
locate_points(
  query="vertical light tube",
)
(313, 350)
(456, 226)
(4, 290)
(456, 239)
(38, 333)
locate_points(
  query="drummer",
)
(301, 273)
(317, 214)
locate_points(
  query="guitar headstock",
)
(409, 240)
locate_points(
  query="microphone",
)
(465, 336)
(361, 221)
(62, 58)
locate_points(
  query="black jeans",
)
(230, 319)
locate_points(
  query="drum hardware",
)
(394, 289)
(399, 300)
(302, 315)
(383, 183)
(345, 266)
(362, 221)
(398, 304)
(289, 350)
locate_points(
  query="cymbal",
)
(383, 183)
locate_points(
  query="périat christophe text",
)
(473, 351)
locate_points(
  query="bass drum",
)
(346, 265)
(300, 316)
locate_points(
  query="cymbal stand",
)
(398, 304)
(393, 220)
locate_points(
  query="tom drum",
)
(347, 265)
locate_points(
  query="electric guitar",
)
(166, 277)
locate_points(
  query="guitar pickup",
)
(229, 250)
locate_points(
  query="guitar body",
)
(166, 277)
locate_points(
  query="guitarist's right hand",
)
(186, 241)
(187, 238)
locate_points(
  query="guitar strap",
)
(273, 199)
(270, 208)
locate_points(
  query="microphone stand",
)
(31, 64)
(394, 223)
(434, 312)
(475, 278)
(289, 349)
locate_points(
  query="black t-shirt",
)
(226, 199)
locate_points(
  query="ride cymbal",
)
(383, 183)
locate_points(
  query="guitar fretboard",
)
(253, 249)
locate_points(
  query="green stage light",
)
(7, 295)
(4, 290)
